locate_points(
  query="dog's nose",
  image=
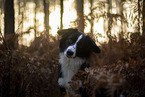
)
(70, 53)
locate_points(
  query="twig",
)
(19, 26)
(4, 41)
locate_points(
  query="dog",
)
(74, 49)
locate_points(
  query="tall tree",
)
(19, 17)
(121, 12)
(143, 17)
(46, 17)
(139, 15)
(92, 19)
(1, 12)
(9, 37)
(109, 18)
(9, 29)
(61, 14)
(23, 13)
(9, 17)
(35, 20)
(80, 14)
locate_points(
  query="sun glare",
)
(40, 18)
(54, 20)
(69, 15)
(29, 13)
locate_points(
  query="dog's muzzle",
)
(70, 52)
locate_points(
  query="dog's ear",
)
(66, 31)
(92, 45)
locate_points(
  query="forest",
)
(29, 46)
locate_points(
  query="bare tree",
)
(35, 20)
(109, 18)
(20, 17)
(61, 14)
(1, 9)
(9, 29)
(9, 37)
(92, 19)
(139, 10)
(143, 28)
(46, 17)
(121, 12)
(9, 17)
(80, 14)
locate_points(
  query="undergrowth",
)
(119, 68)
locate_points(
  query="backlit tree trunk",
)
(80, 14)
(109, 19)
(46, 17)
(35, 21)
(139, 15)
(143, 17)
(121, 12)
(61, 14)
(92, 20)
(9, 29)
(10, 40)
(9, 17)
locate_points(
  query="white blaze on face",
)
(73, 47)
(69, 66)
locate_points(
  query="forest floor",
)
(119, 68)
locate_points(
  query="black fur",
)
(83, 50)
(85, 46)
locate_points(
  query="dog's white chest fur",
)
(69, 66)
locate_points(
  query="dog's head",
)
(75, 44)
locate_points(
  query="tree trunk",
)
(46, 17)
(9, 17)
(121, 12)
(92, 19)
(10, 40)
(139, 15)
(80, 14)
(109, 20)
(23, 14)
(1, 17)
(143, 14)
(9, 29)
(19, 18)
(61, 14)
(35, 20)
